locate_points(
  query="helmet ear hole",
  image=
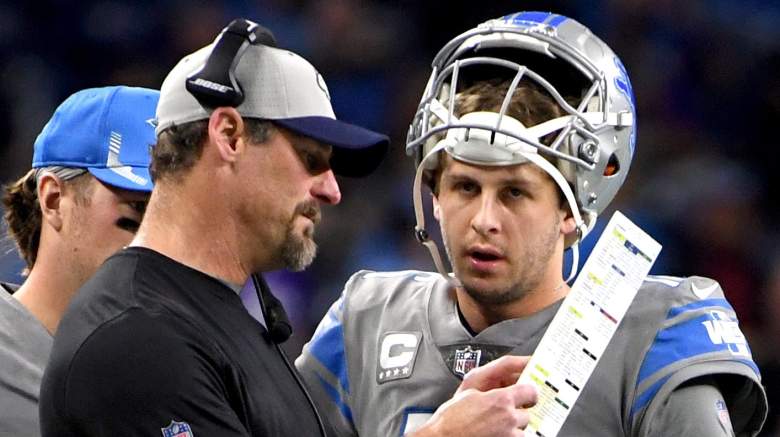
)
(613, 166)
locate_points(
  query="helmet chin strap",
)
(450, 144)
(419, 230)
(582, 228)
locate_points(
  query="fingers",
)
(494, 413)
(499, 373)
(519, 399)
(523, 417)
(525, 395)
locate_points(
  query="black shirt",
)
(148, 342)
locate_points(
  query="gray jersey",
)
(24, 350)
(393, 348)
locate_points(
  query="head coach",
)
(158, 342)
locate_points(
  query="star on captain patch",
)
(465, 360)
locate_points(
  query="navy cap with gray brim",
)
(282, 87)
(108, 131)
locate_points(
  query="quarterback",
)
(524, 134)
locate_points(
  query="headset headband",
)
(215, 83)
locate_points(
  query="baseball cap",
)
(108, 131)
(282, 87)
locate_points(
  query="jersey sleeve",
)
(323, 365)
(140, 375)
(699, 339)
(696, 408)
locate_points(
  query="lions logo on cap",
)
(321, 84)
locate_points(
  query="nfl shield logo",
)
(177, 429)
(465, 360)
(723, 415)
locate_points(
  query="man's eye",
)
(138, 206)
(314, 163)
(516, 192)
(467, 187)
(311, 161)
(128, 224)
(463, 186)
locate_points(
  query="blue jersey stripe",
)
(717, 302)
(645, 398)
(336, 397)
(681, 342)
(327, 347)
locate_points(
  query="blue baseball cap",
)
(108, 131)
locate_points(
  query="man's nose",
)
(486, 220)
(326, 189)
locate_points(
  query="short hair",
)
(179, 147)
(529, 105)
(23, 215)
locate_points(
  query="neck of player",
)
(480, 314)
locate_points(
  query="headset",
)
(276, 320)
(215, 83)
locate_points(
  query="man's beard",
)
(298, 251)
(531, 273)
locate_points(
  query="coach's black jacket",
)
(152, 347)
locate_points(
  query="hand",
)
(487, 403)
(502, 372)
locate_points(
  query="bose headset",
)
(215, 85)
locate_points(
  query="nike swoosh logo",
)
(703, 292)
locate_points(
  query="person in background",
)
(82, 200)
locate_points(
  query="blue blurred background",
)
(706, 74)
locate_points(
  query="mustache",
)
(309, 209)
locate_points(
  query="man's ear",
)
(568, 225)
(226, 130)
(49, 197)
(436, 207)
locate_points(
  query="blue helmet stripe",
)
(534, 18)
(555, 22)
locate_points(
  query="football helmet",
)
(593, 143)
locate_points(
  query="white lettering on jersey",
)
(396, 355)
(414, 421)
(722, 329)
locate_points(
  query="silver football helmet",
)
(593, 142)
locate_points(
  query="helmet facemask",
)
(590, 144)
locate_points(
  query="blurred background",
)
(706, 73)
